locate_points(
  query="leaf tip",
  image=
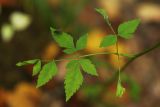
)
(96, 9)
(17, 64)
(96, 75)
(67, 99)
(52, 29)
(39, 85)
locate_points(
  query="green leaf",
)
(104, 14)
(72, 64)
(88, 67)
(126, 29)
(73, 79)
(120, 89)
(82, 42)
(63, 39)
(48, 71)
(108, 41)
(69, 50)
(27, 62)
(36, 68)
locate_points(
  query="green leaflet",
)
(120, 89)
(27, 62)
(73, 79)
(108, 41)
(48, 71)
(71, 64)
(69, 50)
(63, 39)
(126, 29)
(88, 67)
(104, 14)
(81, 42)
(36, 68)
(66, 41)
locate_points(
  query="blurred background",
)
(25, 34)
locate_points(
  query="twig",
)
(88, 55)
(110, 81)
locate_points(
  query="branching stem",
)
(117, 50)
(94, 54)
(141, 54)
(136, 56)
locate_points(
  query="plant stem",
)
(140, 54)
(132, 57)
(114, 77)
(88, 55)
(117, 49)
(110, 81)
(103, 53)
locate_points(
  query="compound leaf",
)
(36, 68)
(108, 41)
(63, 39)
(126, 29)
(48, 71)
(81, 42)
(88, 67)
(73, 79)
(27, 62)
